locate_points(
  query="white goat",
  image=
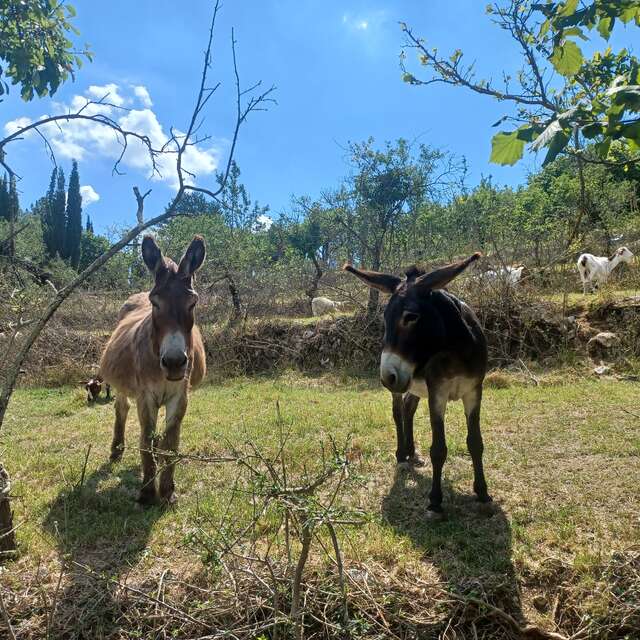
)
(322, 306)
(595, 270)
(510, 275)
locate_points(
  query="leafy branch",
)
(557, 92)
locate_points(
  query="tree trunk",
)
(374, 294)
(312, 291)
(7, 534)
(582, 203)
(235, 298)
(12, 229)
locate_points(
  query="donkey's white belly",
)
(451, 389)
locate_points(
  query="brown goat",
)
(154, 355)
(93, 387)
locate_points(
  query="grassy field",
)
(562, 463)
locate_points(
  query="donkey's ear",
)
(194, 257)
(381, 281)
(151, 254)
(442, 277)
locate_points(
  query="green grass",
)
(562, 463)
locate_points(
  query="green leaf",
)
(529, 133)
(558, 143)
(629, 14)
(592, 130)
(605, 25)
(625, 97)
(506, 148)
(567, 58)
(569, 8)
(575, 31)
(631, 131)
(602, 148)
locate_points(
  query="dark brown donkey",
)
(433, 348)
(154, 355)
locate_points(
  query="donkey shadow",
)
(470, 547)
(100, 401)
(101, 534)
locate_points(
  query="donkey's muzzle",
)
(173, 356)
(174, 365)
(395, 372)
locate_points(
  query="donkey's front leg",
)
(438, 451)
(409, 407)
(404, 408)
(148, 416)
(176, 408)
(401, 448)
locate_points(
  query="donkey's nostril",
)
(389, 379)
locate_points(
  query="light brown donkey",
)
(154, 355)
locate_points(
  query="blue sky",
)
(335, 66)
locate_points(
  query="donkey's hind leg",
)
(122, 410)
(472, 401)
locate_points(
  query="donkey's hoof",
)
(416, 460)
(116, 456)
(147, 498)
(484, 498)
(403, 466)
(169, 500)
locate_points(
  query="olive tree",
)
(386, 185)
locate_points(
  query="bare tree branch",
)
(255, 103)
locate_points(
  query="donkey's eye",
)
(409, 317)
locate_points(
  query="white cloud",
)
(89, 195)
(109, 92)
(15, 125)
(263, 222)
(86, 139)
(143, 95)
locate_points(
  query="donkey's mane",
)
(413, 272)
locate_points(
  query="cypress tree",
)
(89, 228)
(58, 212)
(46, 216)
(73, 225)
(4, 199)
(14, 211)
